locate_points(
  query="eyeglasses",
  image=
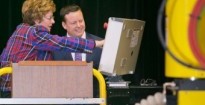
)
(49, 18)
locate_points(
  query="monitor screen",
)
(121, 48)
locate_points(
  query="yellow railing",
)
(102, 84)
(5, 70)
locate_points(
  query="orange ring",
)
(193, 32)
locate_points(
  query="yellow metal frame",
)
(102, 84)
(191, 97)
(178, 14)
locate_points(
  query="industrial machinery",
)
(185, 49)
(119, 57)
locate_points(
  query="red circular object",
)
(193, 32)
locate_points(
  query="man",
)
(73, 22)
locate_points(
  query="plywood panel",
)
(52, 81)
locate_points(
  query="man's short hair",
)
(68, 9)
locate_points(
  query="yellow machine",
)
(185, 40)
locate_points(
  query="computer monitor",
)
(122, 44)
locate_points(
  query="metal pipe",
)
(102, 84)
(5, 70)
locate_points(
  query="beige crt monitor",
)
(121, 48)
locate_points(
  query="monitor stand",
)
(117, 82)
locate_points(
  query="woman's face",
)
(47, 21)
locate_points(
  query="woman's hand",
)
(99, 43)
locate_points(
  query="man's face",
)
(74, 23)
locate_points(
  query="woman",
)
(32, 39)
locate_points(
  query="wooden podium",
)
(52, 79)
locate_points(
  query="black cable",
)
(162, 40)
